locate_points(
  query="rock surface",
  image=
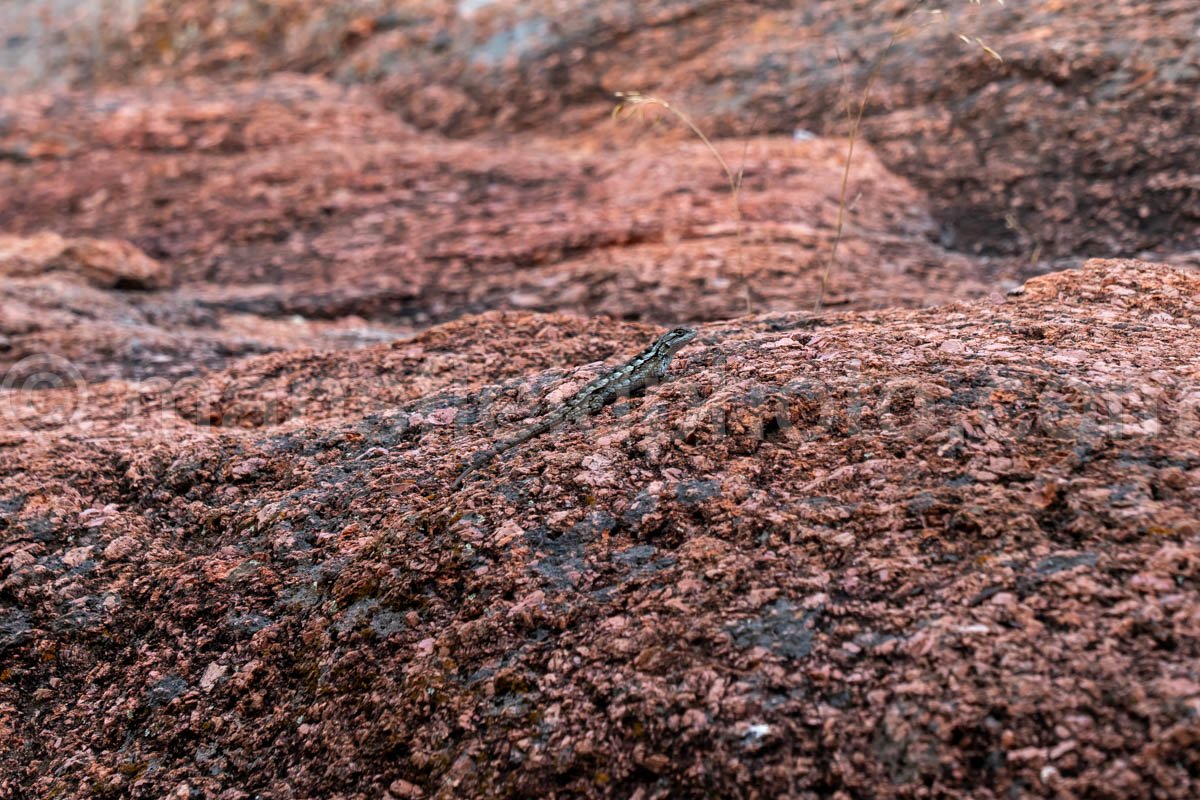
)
(106, 264)
(1081, 141)
(947, 550)
(270, 273)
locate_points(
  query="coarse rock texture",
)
(915, 520)
(903, 553)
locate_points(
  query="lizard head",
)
(670, 342)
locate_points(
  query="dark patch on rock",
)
(14, 628)
(781, 628)
(165, 690)
(692, 493)
(1060, 563)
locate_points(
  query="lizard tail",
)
(478, 460)
(462, 476)
(484, 457)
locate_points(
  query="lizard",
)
(645, 369)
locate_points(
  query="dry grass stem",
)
(638, 101)
(905, 28)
